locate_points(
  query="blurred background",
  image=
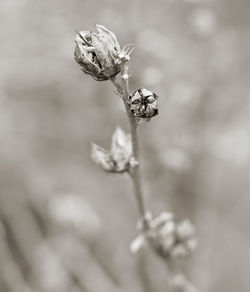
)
(64, 224)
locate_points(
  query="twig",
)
(135, 172)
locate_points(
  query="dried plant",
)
(99, 54)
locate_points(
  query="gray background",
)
(66, 225)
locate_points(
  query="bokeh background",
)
(66, 225)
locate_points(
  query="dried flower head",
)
(143, 103)
(97, 53)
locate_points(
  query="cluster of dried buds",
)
(119, 158)
(99, 54)
(168, 239)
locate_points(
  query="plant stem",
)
(135, 172)
(177, 279)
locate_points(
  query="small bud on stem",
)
(143, 103)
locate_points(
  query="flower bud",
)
(119, 159)
(179, 251)
(191, 244)
(166, 244)
(167, 229)
(185, 230)
(97, 53)
(162, 219)
(143, 103)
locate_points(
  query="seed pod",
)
(143, 103)
(97, 53)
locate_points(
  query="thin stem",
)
(135, 172)
(176, 278)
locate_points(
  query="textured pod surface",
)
(143, 103)
(97, 52)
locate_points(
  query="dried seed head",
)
(97, 53)
(143, 103)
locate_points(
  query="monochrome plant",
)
(99, 54)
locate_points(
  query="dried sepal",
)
(102, 157)
(121, 148)
(137, 243)
(119, 159)
(133, 162)
(125, 53)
